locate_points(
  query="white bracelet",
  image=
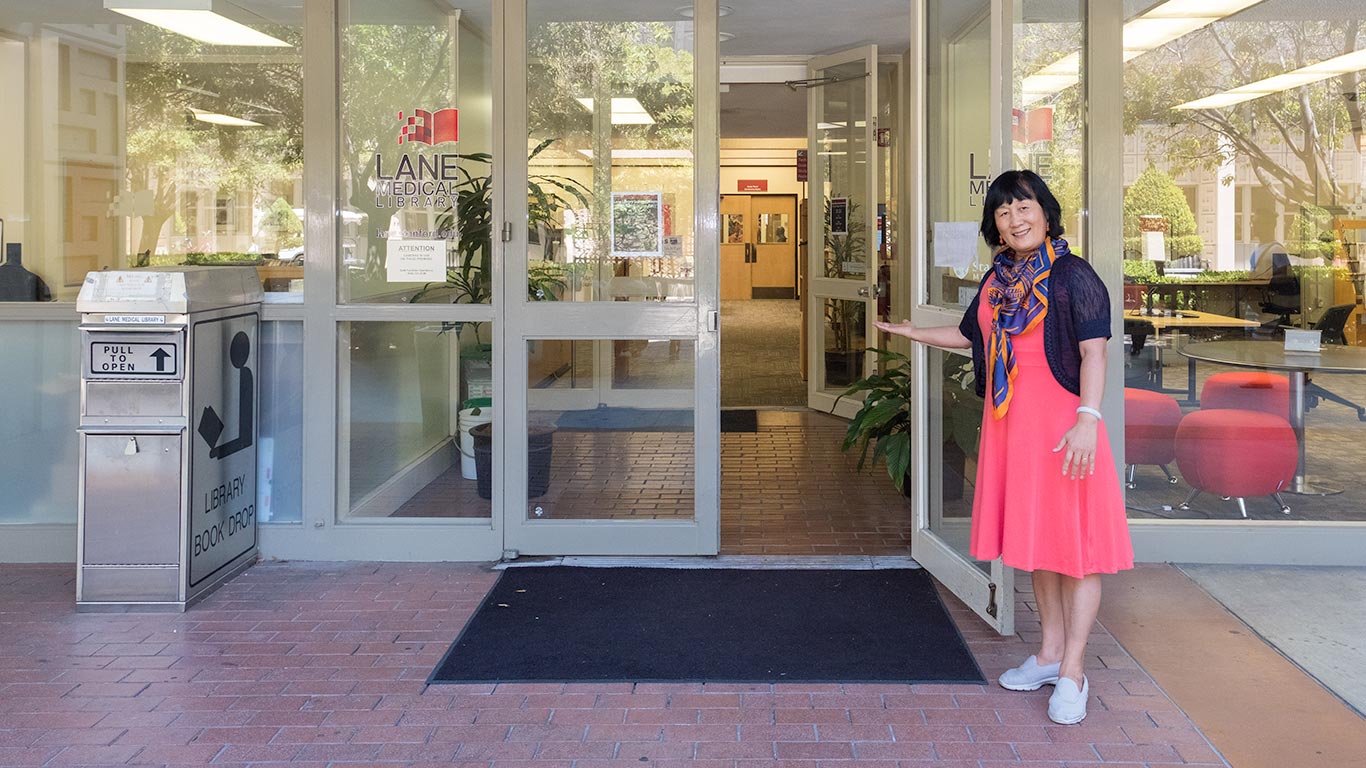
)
(1090, 410)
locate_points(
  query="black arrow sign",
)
(160, 356)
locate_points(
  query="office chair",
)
(1283, 298)
(1330, 327)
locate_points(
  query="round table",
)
(1272, 355)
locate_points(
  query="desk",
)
(1188, 319)
(1271, 355)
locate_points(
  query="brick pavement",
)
(319, 664)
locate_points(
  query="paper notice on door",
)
(955, 245)
(415, 261)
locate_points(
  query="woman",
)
(1047, 498)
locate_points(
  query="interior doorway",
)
(787, 487)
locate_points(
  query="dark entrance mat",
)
(650, 420)
(562, 624)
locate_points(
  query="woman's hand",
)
(1079, 446)
(903, 328)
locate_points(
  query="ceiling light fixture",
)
(1169, 21)
(625, 111)
(202, 20)
(686, 11)
(1313, 73)
(216, 118)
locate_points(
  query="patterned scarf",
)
(1018, 301)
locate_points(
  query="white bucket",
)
(469, 420)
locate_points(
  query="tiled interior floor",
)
(786, 489)
(323, 664)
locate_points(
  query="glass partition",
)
(41, 382)
(610, 153)
(413, 397)
(1244, 175)
(622, 449)
(416, 224)
(958, 147)
(955, 421)
(131, 143)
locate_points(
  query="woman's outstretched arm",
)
(942, 336)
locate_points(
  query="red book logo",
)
(429, 128)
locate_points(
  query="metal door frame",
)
(818, 287)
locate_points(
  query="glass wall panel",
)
(623, 451)
(842, 147)
(1048, 128)
(416, 140)
(126, 145)
(413, 396)
(955, 430)
(41, 382)
(279, 479)
(958, 146)
(610, 149)
(1244, 176)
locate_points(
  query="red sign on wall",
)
(801, 165)
(752, 185)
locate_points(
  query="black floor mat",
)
(740, 420)
(556, 623)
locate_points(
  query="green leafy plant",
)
(884, 421)
(471, 281)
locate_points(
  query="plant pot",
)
(540, 441)
(843, 367)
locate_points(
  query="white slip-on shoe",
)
(1067, 705)
(1029, 676)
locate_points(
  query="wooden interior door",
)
(774, 263)
(737, 237)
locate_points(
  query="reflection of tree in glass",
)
(169, 154)
(635, 224)
(1290, 140)
(600, 61)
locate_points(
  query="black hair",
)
(1019, 185)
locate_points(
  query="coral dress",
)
(1024, 509)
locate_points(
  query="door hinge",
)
(713, 321)
(991, 600)
(507, 231)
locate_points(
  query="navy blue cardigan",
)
(1077, 295)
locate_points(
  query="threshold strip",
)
(740, 562)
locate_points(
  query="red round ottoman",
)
(1150, 420)
(1248, 391)
(1236, 453)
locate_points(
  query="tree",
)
(1311, 122)
(1154, 193)
(168, 151)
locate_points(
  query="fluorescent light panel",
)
(625, 111)
(220, 119)
(1297, 78)
(200, 24)
(1160, 25)
(644, 154)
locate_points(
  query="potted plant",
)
(845, 321)
(884, 421)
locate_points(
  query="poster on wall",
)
(839, 215)
(637, 224)
(735, 228)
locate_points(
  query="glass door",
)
(963, 132)
(842, 293)
(612, 377)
